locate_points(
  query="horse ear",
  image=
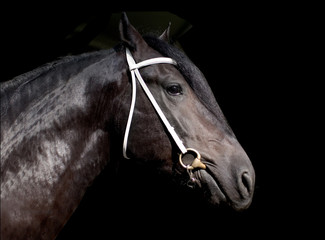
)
(165, 35)
(129, 35)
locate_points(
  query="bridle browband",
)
(135, 74)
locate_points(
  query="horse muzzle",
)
(229, 179)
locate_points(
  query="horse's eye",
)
(175, 90)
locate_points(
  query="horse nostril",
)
(246, 186)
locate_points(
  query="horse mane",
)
(44, 78)
(192, 75)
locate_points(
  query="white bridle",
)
(135, 74)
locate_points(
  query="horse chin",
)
(220, 195)
(210, 188)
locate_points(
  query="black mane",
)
(30, 86)
(191, 73)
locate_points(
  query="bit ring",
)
(196, 163)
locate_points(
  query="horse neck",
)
(52, 152)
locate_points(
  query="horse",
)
(65, 122)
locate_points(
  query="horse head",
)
(225, 173)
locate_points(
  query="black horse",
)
(63, 123)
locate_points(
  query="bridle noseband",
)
(135, 74)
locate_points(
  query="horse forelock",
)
(192, 75)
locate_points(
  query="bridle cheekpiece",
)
(135, 74)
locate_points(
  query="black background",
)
(255, 57)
